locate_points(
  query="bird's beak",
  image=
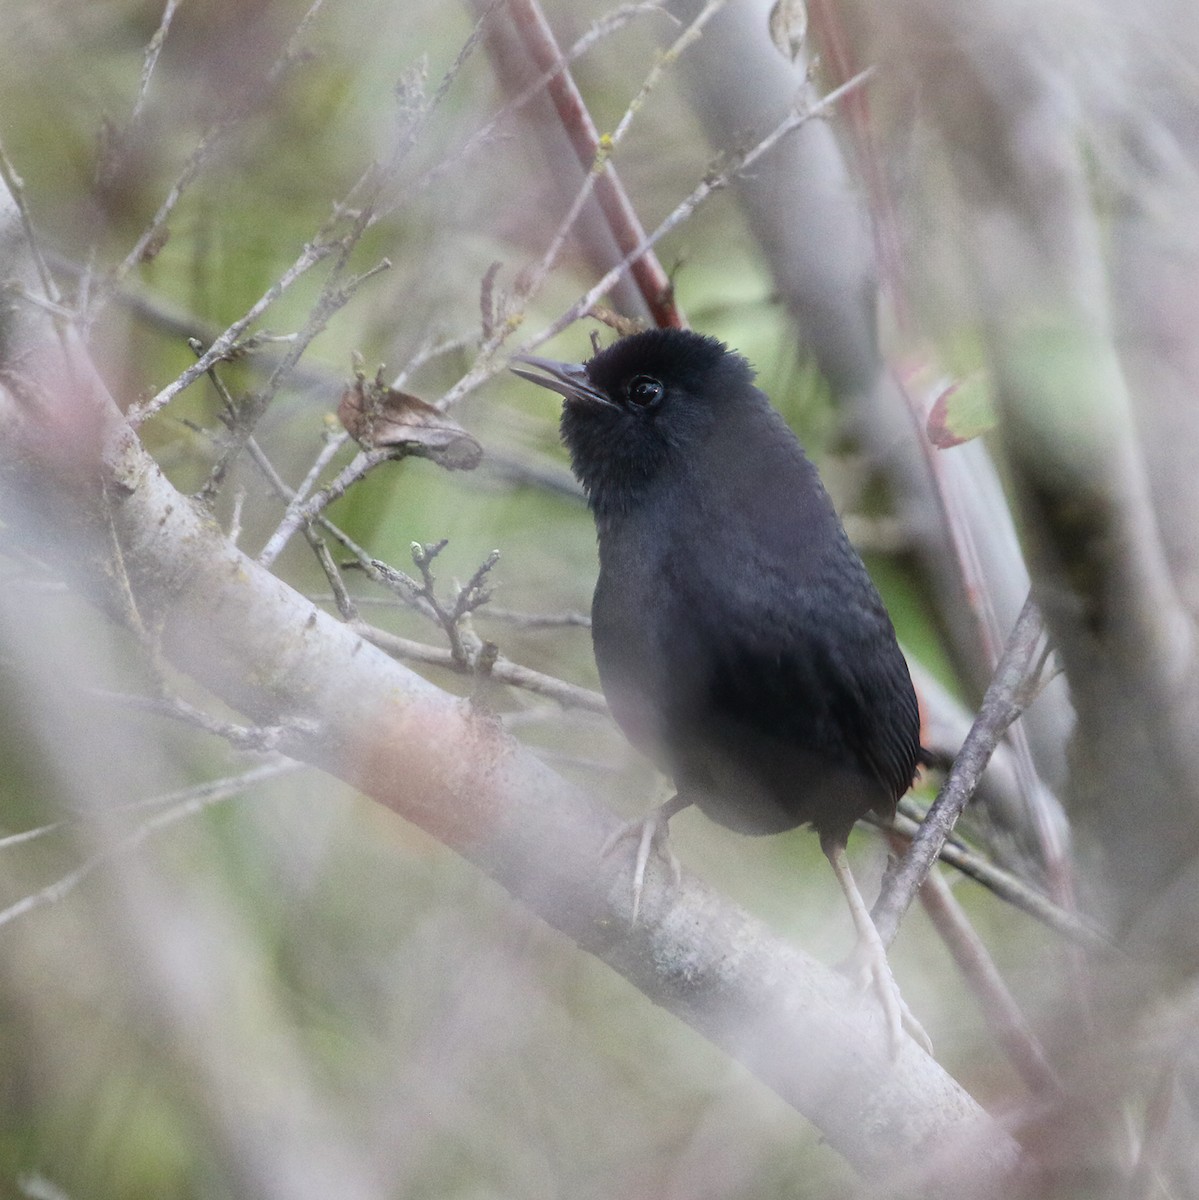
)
(567, 379)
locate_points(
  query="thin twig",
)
(334, 441)
(594, 154)
(714, 181)
(244, 737)
(174, 808)
(301, 514)
(332, 298)
(30, 835)
(228, 416)
(509, 616)
(485, 367)
(200, 156)
(1002, 703)
(526, 620)
(1006, 886)
(468, 599)
(568, 695)
(345, 602)
(293, 517)
(1003, 1015)
(153, 50)
(427, 352)
(312, 254)
(400, 584)
(16, 187)
(487, 134)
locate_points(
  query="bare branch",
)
(203, 153)
(299, 514)
(1002, 704)
(567, 695)
(172, 809)
(713, 182)
(243, 737)
(333, 297)
(15, 186)
(1004, 1016)
(488, 132)
(309, 257)
(595, 153)
(1007, 886)
(153, 50)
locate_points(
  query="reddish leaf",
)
(961, 412)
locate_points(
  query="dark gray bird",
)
(740, 642)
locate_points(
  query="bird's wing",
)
(812, 663)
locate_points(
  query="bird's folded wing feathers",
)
(811, 674)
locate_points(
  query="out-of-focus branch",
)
(836, 53)
(166, 811)
(75, 479)
(713, 182)
(1101, 574)
(208, 145)
(543, 128)
(944, 724)
(1013, 123)
(1004, 1017)
(1155, 293)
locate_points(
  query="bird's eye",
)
(644, 391)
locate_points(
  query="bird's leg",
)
(651, 833)
(872, 954)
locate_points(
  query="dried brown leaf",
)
(376, 416)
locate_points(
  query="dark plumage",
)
(740, 642)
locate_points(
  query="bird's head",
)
(638, 405)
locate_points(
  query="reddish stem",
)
(838, 57)
(651, 280)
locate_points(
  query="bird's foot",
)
(869, 965)
(652, 835)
